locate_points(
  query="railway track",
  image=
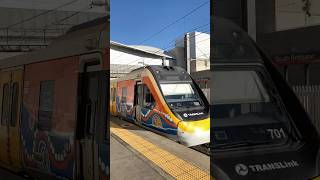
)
(203, 148)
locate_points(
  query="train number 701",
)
(277, 133)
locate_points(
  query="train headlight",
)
(198, 132)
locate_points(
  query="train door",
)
(148, 102)
(4, 121)
(138, 101)
(123, 102)
(14, 125)
(11, 83)
(113, 96)
(90, 109)
(91, 127)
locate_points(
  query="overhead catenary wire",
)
(41, 14)
(65, 18)
(165, 49)
(168, 48)
(172, 23)
(198, 28)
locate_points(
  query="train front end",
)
(259, 128)
(185, 103)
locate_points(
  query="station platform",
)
(136, 153)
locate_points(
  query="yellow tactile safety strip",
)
(171, 164)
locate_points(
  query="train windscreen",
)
(181, 95)
(247, 111)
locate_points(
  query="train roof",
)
(229, 41)
(162, 73)
(80, 39)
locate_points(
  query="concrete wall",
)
(289, 14)
(265, 16)
(199, 52)
(231, 9)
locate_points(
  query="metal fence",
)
(309, 97)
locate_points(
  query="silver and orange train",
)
(165, 100)
(53, 121)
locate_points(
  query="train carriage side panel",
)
(163, 119)
(15, 124)
(125, 98)
(160, 117)
(48, 116)
(4, 81)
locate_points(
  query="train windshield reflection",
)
(245, 112)
(181, 95)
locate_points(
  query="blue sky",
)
(132, 21)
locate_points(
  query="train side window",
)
(124, 95)
(14, 104)
(148, 100)
(46, 105)
(5, 104)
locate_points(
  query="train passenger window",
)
(148, 100)
(5, 104)
(14, 104)
(46, 105)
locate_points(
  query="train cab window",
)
(14, 104)
(248, 111)
(124, 95)
(148, 100)
(46, 105)
(181, 95)
(5, 104)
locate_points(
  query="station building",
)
(27, 26)
(287, 30)
(125, 58)
(192, 52)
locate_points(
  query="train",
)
(53, 102)
(163, 99)
(259, 128)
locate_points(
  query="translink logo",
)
(243, 170)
